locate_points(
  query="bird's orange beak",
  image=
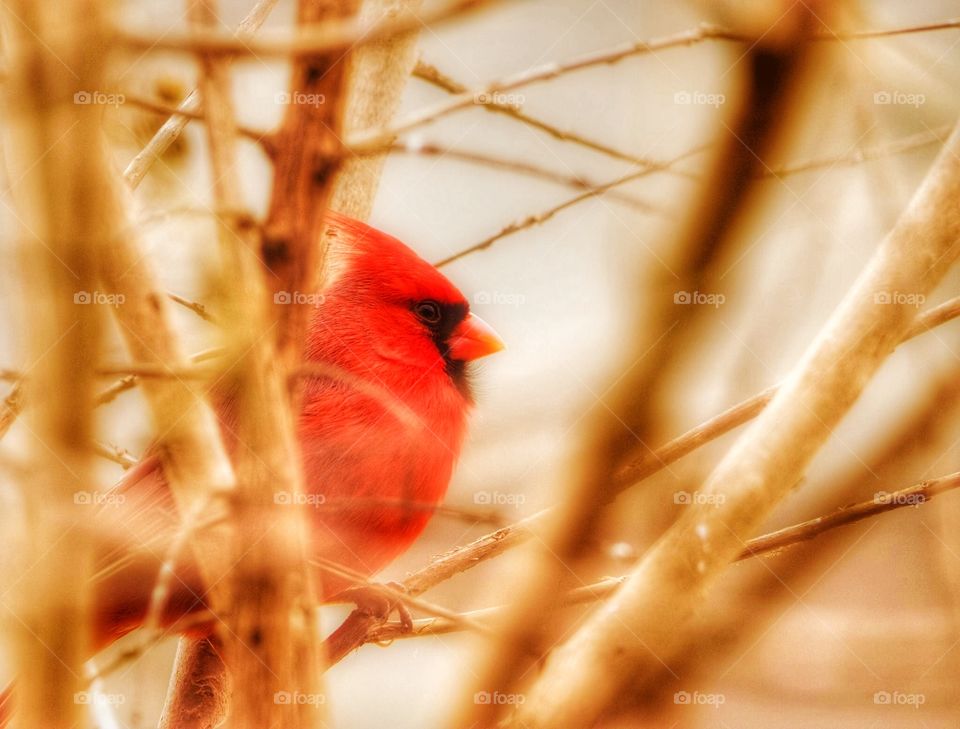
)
(472, 339)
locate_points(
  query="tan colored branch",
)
(376, 79)
(60, 170)
(623, 641)
(269, 646)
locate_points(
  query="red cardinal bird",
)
(388, 318)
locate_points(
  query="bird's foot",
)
(380, 601)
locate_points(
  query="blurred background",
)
(818, 635)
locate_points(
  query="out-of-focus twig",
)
(11, 409)
(898, 146)
(377, 76)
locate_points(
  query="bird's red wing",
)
(139, 523)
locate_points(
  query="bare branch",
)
(432, 75)
(538, 218)
(377, 77)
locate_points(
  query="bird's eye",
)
(428, 311)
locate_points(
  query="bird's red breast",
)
(376, 459)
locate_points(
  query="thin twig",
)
(525, 168)
(12, 407)
(120, 456)
(197, 308)
(432, 75)
(897, 146)
(542, 217)
(259, 136)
